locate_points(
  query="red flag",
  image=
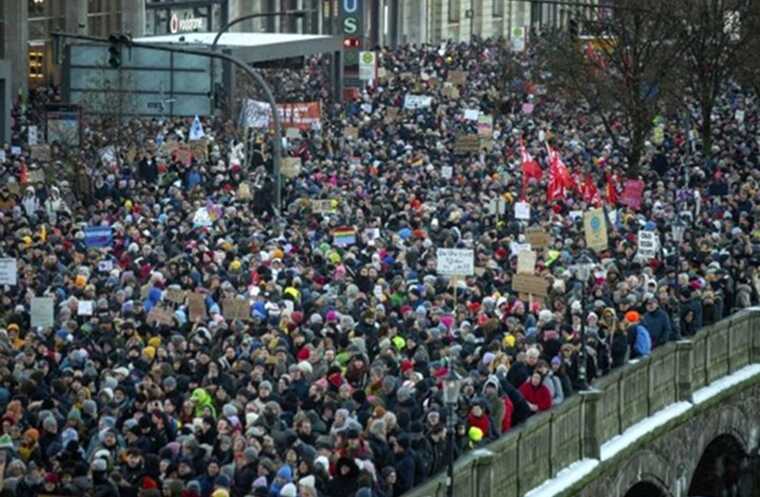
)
(530, 168)
(559, 176)
(590, 192)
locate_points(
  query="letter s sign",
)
(350, 25)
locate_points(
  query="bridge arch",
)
(646, 489)
(722, 468)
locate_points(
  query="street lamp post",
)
(277, 145)
(451, 386)
(678, 229)
(583, 272)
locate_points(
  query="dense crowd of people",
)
(328, 383)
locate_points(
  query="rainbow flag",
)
(343, 237)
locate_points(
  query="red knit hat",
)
(304, 354)
(149, 483)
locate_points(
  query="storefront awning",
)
(255, 47)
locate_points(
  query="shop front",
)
(164, 17)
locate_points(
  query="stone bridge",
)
(683, 422)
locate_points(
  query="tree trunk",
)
(706, 128)
(635, 152)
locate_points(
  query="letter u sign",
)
(350, 6)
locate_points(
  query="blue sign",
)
(98, 236)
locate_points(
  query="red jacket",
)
(481, 422)
(506, 421)
(540, 395)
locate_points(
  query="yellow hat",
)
(220, 492)
(155, 342)
(80, 281)
(399, 342)
(334, 257)
(149, 352)
(235, 265)
(128, 205)
(292, 292)
(277, 254)
(475, 434)
(509, 341)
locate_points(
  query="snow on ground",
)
(572, 474)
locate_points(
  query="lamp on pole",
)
(451, 387)
(678, 230)
(277, 145)
(583, 272)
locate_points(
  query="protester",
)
(327, 380)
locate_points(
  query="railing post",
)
(591, 441)
(754, 339)
(684, 360)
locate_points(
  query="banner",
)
(302, 115)
(595, 229)
(455, 262)
(485, 126)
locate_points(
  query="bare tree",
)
(621, 68)
(715, 36)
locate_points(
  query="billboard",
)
(149, 82)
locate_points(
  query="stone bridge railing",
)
(544, 445)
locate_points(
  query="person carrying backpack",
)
(638, 336)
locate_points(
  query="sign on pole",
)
(455, 262)
(367, 66)
(522, 211)
(42, 312)
(526, 262)
(518, 39)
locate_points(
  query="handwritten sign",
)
(447, 172)
(530, 284)
(159, 315)
(522, 211)
(196, 305)
(632, 191)
(537, 237)
(455, 262)
(457, 77)
(291, 167)
(175, 295)
(8, 271)
(184, 155)
(85, 307)
(235, 308)
(466, 144)
(323, 206)
(42, 312)
(41, 152)
(199, 150)
(351, 132)
(647, 244)
(526, 262)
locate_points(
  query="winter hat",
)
(289, 490)
(308, 481)
(632, 316)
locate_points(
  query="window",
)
(454, 10)
(498, 8)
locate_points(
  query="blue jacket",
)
(658, 325)
(642, 345)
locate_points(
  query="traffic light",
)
(114, 51)
(351, 43)
(573, 28)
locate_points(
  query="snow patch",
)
(611, 447)
(565, 479)
(714, 388)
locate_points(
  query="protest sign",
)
(447, 172)
(367, 66)
(235, 308)
(467, 144)
(85, 307)
(196, 305)
(41, 153)
(455, 262)
(42, 312)
(522, 211)
(647, 244)
(199, 150)
(471, 114)
(323, 206)
(351, 132)
(391, 114)
(255, 114)
(485, 126)
(417, 101)
(8, 271)
(457, 77)
(175, 295)
(530, 284)
(159, 315)
(98, 236)
(36, 176)
(537, 237)
(292, 133)
(526, 262)
(33, 135)
(244, 191)
(450, 91)
(184, 155)
(105, 266)
(595, 229)
(291, 167)
(632, 191)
